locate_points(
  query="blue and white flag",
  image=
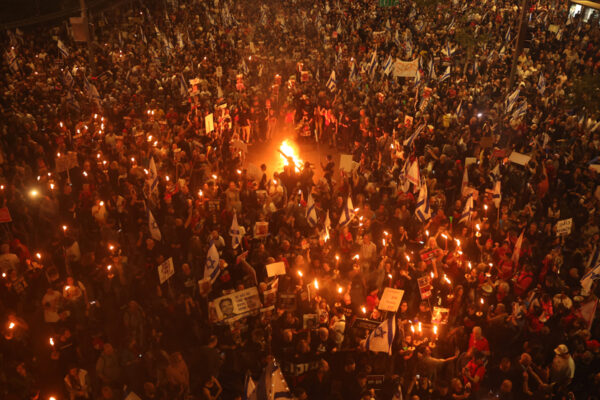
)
(520, 111)
(62, 48)
(511, 99)
(183, 87)
(311, 211)
(153, 227)
(277, 388)
(445, 75)
(459, 109)
(541, 85)
(422, 211)
(388, 66)
(235, 232)
(417, 77)
(409, 141)
(249, 388)
(331, 82)
(468, 210)
(397, 41)
(507, 35)
(448, 51)
(244, 68)
(431, 68)
(382, 337)
(91, 90)
(347, 213)
(414, 175)
(497, 194)
(68, 78)
(152, 179)
(211, 268)
(372, 66)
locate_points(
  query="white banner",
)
(406, 69)
(237, 304)
(166, 270)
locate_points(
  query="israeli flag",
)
(397, 41)
(152, 178)
(353, 73)
(211, 268)
(422, 211)
(520, 111)
(311, 212)
(459, 109)
(511, 100)
(448, 51)
(541, 85)
(68, 79)
(468, 210)
(445, 75)
(183, 87)
(507, 35)
(414, 175)
(277, 388)
(153, 227)
(235, 232)
(388, 65)
(409, 141)
(91, 89)
(331, 82)
(431, 68)
(347, 213)
(382, 337)
(417, 77)
(371, 68)
(497, 194)
(244, 68)
(62, 48)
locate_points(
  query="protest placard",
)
(310, 321)
(440, 315)
(209, 123)
(406, 68)
(563, 227)
(346, 163)
(166, 270)
(424, 287)
(261, 229)
(277, 268)
(390, 300)
(518, 158)
(237, 304)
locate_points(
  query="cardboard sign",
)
(440, 315)
(237, 304)
(563, 227)
(406, 69)
(518, 158)
(424, 287)
(166, 270)
(274, 269)
(261, 229)
(390, 300)
(209, 123)
(310, 321)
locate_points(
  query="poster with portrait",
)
(424, 287)
(440, 315)
(237, 304)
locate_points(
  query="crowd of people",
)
(141, 251)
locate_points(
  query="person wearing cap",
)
(563, 366)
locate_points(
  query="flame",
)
(290, 151)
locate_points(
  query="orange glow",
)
(289, 150)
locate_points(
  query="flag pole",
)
(519, 44)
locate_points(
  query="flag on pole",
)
(521, 110)
(62, 48)
(431, 68)
(497, 194)
(371, 68)
(272, 385)
(465, 182)
(511, 99)
(235, 232)
(517, 250)
(311, 212)
(153, 227)
(409, 141)
(422, 211)
(152, 179)
(244, 68)
(211, 268)
(417, 77)
(590, 277)
(541, 85)
(468, 210)
(183, 87)
(459, 109)
(387, 66)
(507, 35)
(331, 82)
(382, 337)
(414, 176)
(445, 75)
(347, 213)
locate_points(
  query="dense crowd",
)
(459, 193)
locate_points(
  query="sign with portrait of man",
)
(237, 304)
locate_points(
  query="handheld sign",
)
(563, 227)
(390, 300)
(166, 270)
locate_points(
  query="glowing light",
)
(4, 274)
(300, 274)
(11, 325)
(101, 204)
(239, 172)
(111, 247)
(447, 280)
(67, 288)
(407, 258)
(385, 233)
(419, 328)
(340, 289)
(481, 300)
(337, 258)
(214, 177)
(51, 342)
(412, 328)
(485, 207)
(444, 236)
(167, 178)
(390, 276)
(316, 283)
(38, 256)
(108, 267)
(477, 226)
(432, 275)
(85, 173)
(64, 228)
(356, 257)
(33, 193)
(200, 194)
(470, 265)
(51, 398)
(132, 159)
(457, 242)
(427, 233)
(363, 309)
(288, 151)
(435, 330)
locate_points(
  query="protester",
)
(168, 265)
